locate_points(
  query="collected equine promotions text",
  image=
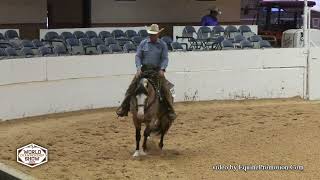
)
(246, 168)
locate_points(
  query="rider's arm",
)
(139, 56)
(164, 57)
(204, 21)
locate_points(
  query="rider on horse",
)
(151, 52)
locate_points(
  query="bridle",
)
(145, 104)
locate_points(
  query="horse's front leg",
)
(146, 134)
(138, 137)
(161, 140)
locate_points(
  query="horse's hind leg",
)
(138, 137)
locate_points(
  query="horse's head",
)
(142, 93)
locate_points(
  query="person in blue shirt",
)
(152, 52)
(211, 19)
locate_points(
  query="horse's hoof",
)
(136, 153)
(143, 153)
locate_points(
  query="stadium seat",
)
(74, 47)
(168, 40)
(27, 52)
(37, 43)
(245, 31)
(60, 50)
(3, 53)
(91, 34)
(27, 43)
(204, 32)
(104, 34)
(217, 43)
(204, 36)
(109, 41)
(67, 35)
(115, 48)
(264, 44)
(97, 41)
(11, 34)
(122, 42)
(245, 44)
(231, 31)
(45, 51)
(255, 39)
(1, 37)
(129, 47)
(143, 33)
(87, 46)
(103, 49)
(237, 39)
(118, 34)
(11, 52)
(131, 33)
(79, 34)
(217, 31)
(176, 46)
(226, 45)
(190, 33)
(53, 39)
(51, 36)
(137, 40)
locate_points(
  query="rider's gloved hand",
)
(138, 73)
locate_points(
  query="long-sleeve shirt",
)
(209, 21)
(152, 53)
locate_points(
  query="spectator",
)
(211, 19)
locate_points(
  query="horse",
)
(146, 107)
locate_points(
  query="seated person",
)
(211, 19)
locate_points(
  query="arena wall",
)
(23, 11)
(314, 80)
(37, 86)
(165, 11)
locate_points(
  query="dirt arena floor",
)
(96, 145)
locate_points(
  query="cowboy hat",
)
(215, 9)
(154, 29)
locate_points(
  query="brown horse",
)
(146, 107)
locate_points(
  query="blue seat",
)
(104, 34)
(67, 35)
(79, 34)
(129, 47)
(91, 34)
(143, 33)
(131, 33)
(103, 49)
(45, 51)
(265, 44)
(11, 34)
(246, 44)
(11, 51)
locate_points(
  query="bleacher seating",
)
(2, 36)
(45, 51)
(87, 42)
(104, 34)
(11, 34)
(129, 47)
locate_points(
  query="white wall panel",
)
(37, 86)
